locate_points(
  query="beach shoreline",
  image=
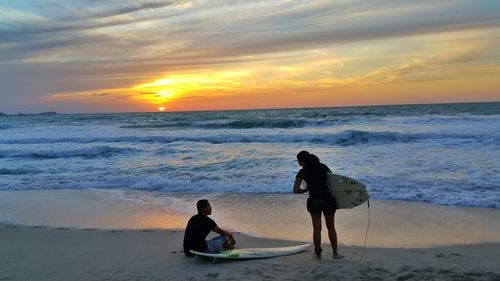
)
(118, 235)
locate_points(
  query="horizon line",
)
(52, 112)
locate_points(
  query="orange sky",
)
(122, 56)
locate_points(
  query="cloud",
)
(129, 8)
(91, 46)
(214, 30)
(87, 14)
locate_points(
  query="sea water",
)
(444, 154)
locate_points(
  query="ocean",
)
(444, 154)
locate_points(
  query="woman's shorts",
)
(316, 206)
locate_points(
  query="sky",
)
(82, 56)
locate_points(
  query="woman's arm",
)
(296, 186)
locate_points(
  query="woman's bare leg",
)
(332, 234)
(316, 221)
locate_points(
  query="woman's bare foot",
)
(317, 253)
(338, 256)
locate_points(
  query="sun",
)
(175, 88)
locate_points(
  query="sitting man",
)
(198, 228)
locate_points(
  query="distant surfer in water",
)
(320, 199)
(198, 228)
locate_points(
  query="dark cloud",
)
(17, 51)
(292, 27)
(291, 38)
(81, 19)
(130, 8)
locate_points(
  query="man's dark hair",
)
(203, 203)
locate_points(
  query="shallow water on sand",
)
(393, 223)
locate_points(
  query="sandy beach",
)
(43, 253)
(109, 237)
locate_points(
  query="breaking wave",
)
(92, 152)
(348, 137)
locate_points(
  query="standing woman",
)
(320, 199)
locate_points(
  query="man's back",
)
(197, 230)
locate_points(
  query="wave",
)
(298, 122)
(257, 123)
(377, 188)
(7, 171)
(158, 126)
(92, 152)
(5, 127)
(344, 138)
(269, 118)
(353, 137)
(234, 124)
(436, 193)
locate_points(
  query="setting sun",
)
(179, 88)
(161, 108)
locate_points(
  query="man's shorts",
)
(316, 206)
(216, 244)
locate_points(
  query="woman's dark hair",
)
(203, 203)
(303, 156)
(311, 160)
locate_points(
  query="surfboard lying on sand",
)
(254, 253)
(348, 192)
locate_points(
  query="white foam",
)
(412, 153)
